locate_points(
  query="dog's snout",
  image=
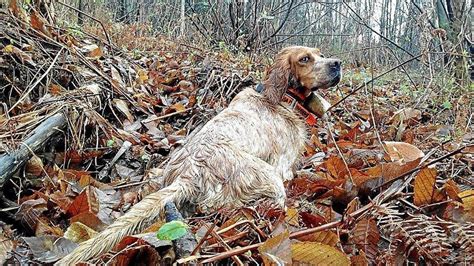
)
(336, 63)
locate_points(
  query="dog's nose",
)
(336, 63)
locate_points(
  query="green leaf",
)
(447, 105)
(172, 230)
(110, 143)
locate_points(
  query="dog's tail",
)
(135, 220)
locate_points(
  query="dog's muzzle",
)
(335, 72)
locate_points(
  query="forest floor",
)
(387, 176)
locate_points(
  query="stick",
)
(11, 162)
(296, 234)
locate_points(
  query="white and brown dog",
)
(243, 154)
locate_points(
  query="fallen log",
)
(10, 162)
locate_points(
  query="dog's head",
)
(301, 68)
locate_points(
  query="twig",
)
(204, 238)
(339, 151)
(227, 247)
(296, 234)
(168, 115)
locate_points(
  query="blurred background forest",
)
(382, 32)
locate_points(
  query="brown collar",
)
(296, 101)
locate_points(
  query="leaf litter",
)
(363, 194)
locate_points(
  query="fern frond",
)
(462, 237)
(422, 238)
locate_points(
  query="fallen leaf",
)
(405, 115)
(44, 227)
(85, 202)
(366, 236)
(117, 78)
(122, 106)
(172, 230)
(178, 107)
(401, 151)
(276, 250)
(325, 237)
(311, 253)
(38, 23)
(452, 190)
(89, 219)
(359, 260)
(34, 166)
(312, 220)
(48, 249)
(78, 232)
(425, 190)
(92, 51)
(291, 217)
(336, 167)
(140, 248)
(467, 198)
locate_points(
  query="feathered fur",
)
(241, 155)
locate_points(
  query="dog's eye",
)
(322, 56)
(304, 59)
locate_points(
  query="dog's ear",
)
(278, 79)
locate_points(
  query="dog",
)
(243, 154)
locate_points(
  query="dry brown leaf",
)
(452, 190)
(38, 23)
(276, 249)
(154, 227)
(366, 236)
(85, 202)
(311, 253)
(325, 237)
(405, 115)
(336, 167)
(467, 198)
(389, 171)
(34, 166)
(122, 106)
(89, 219)
(55, 89)
(117, 78)
(78, 232)
(291, 216)
(142, 76)
(425, 188)
(178, 107)
(140, 248)
(359, 260)
(21, 55)
(401, 151)
(13, 7)
(44, 227)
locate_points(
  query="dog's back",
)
(234, 151)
